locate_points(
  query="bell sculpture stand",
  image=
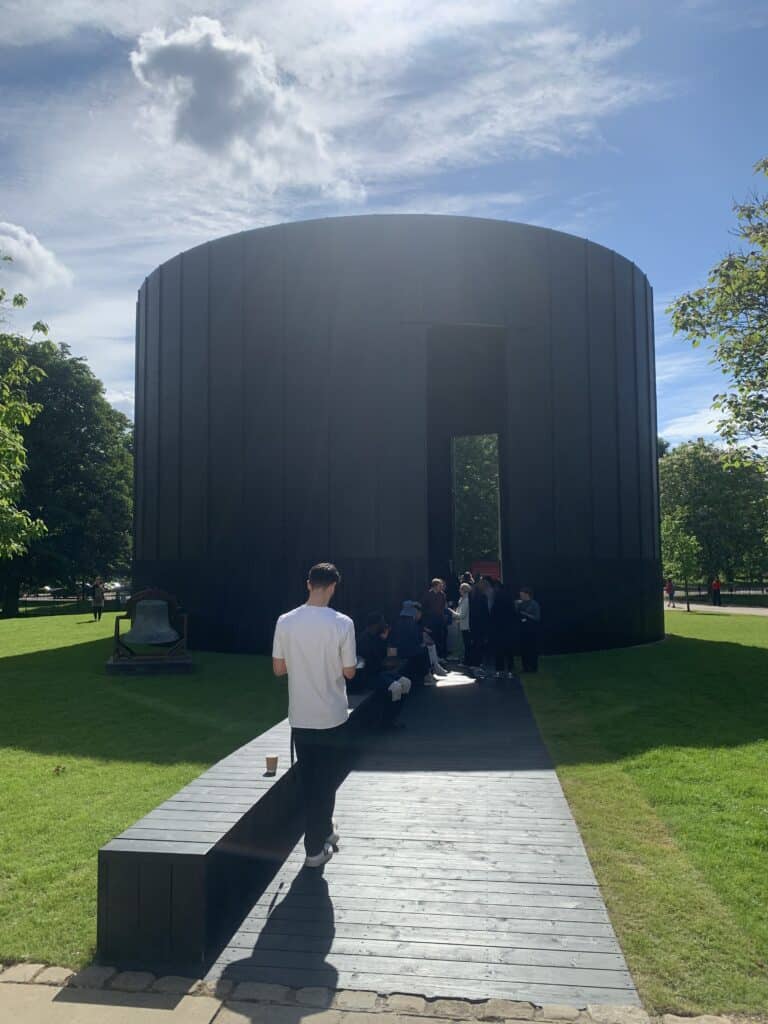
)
(157, 639)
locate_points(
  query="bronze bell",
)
(151, 625)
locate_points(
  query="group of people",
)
(715, 588)
(316, 647)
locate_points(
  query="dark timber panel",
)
(151, 496)
(194, 406)
(572, 470)
(461, 872)
(292, 406)
(170, 410)
(227, 400)
(141, 510)
(603, 412)
(626, 395)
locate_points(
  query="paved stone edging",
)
(341, 1007)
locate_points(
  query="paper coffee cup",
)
(271, 764)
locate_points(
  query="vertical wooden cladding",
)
(527, 463)
(140, 426)
(308, 274)
(572, 473)
(194, 405)
(264, 409)
(226, 400)
(169, 411)
(601, 318)
(626, 399)
(646, 441)
(151, 439)
(654, 424)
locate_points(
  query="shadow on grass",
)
(61, 702)
(684, 692)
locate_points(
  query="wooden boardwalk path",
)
(461, 872)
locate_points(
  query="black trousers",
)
(320, 754)
(416, 667)
(97, 612)
(466, 636)
(716, 600)
(529, 647)
(505, 659)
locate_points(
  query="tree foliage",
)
(79, 477)
(731, 314)
(723, 502)
(476, 499)
(17, 526)
(680, 551)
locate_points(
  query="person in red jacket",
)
(715, 588)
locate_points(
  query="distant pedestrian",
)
(315, 647)
(463, 609)
(529, 615)
(669, 590)
(97, 598)
(716, 585)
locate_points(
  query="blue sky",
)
(130, 132)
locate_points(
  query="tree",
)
(662, 447)
(680, 552)
(476, 499)
(731, 314)
(17, 526)
(79, 478)
(721, 500)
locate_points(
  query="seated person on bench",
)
(407, 644)
(375, 671)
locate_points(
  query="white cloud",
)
(225, 96)
(32, 264)
(692, 425)
(261, 113)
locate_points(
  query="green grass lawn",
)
(663, 754)
(83, 755)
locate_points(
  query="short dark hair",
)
(526, 590)
(375, 619)
(323, 575)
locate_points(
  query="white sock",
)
(396, 690)
(405, 684)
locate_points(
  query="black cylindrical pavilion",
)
(298, 387)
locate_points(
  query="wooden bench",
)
(173, 887)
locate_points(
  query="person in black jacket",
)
(503, 632)
(479, 621)
(376, 672)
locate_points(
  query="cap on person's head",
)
(323, 575)
(410, 609)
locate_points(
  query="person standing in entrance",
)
(716, 587)
(314, 645)
(529, 614)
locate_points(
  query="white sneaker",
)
(396, 690)
(318, 859)
(429, 680)
(405, 684)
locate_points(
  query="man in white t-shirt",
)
(315, 647)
